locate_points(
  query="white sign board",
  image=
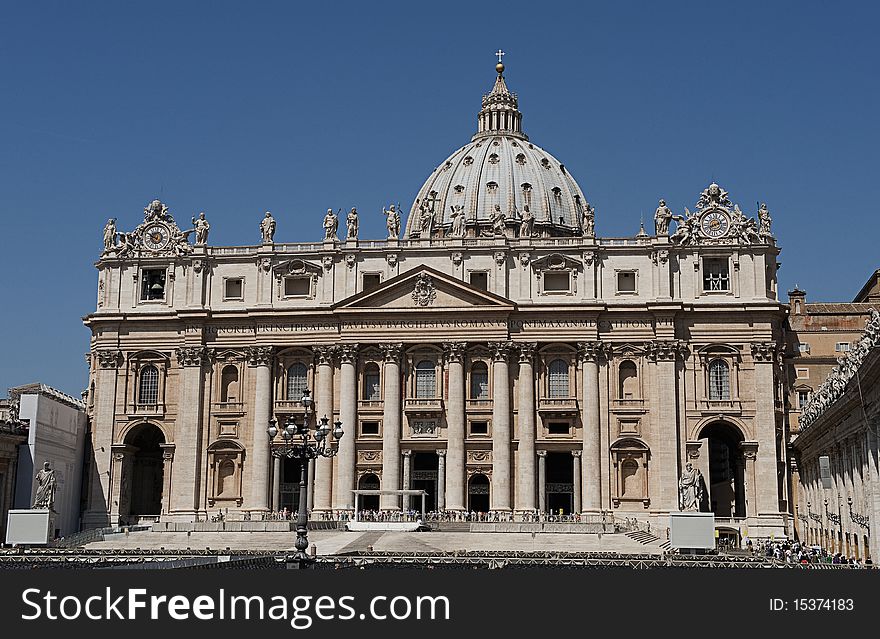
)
(33, 527)
(692, 530)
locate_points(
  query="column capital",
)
(259, 355)
(526, 351)
(763, 351)
(576, 453)
(454, 351)
(441, 452)
(391, 352)
(192, 356)
(500, 350)
(348, 353)
(593, 351)
(109, 358)
(666, 350)
(541, 453)
(324, 354)
(406, 453)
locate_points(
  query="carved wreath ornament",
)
(424, 292)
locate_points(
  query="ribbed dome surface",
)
(498, 167)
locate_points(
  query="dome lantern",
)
(500, 113)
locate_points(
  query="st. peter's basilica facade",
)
(491, 351)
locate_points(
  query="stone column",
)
(542, 481)
(391, 426)
(324, 407)
(259, 358)
(346, 459)
(665, 447)
(455, 427)
(276, 483)
(576, 462)
(407, 476)
(98, 513)
(590, 354)
(764, 355)
(525, 476)
(441, 479)
(500, 490)
(186, 489)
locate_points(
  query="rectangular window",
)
(626, 282)
(369, 428)
(556, 282)
(479, 428)
(480, 280)
(842, 347)
(371, 281)
(152, 284)
(371, 386)
(716, 274)
(557, 428)
(803, 373)
(234, 289)
(803, 398)
(297, 286)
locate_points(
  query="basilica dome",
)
(490, 184)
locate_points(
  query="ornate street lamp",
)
(297, 444)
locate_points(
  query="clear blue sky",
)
(238, 107)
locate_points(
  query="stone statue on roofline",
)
(110, 235)
(351, 224)
(331, 225)
(527, 223)
(662, 218)
(392, 221)
(267, 228)
(458, 221)
(201, 228)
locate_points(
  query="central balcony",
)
(423, 405)
(558, 406)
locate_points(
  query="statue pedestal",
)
(30, 527)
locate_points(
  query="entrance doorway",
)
(142, 485)
(290, 476)
(424, 477)
(726, 470)
(560, 483)
(478, 493)
(368, 481)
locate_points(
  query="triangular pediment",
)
(424, 288)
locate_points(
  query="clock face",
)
(156, 237)
(715, 224)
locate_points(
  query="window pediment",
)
(556, 262)
(296, 267)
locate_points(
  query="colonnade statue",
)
(46, 484)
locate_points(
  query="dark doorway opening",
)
(478, 493)
(560, 483)
(424, 477)
(368, 481)
(726, 470)
(144, 482)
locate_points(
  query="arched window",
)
(629, 380)
(558, 379)
(719, 380)
(229, 384)
(371, 382)
(479, 381)
(426, 379)
(297, 381)
(148, 389)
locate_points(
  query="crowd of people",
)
(794, 552)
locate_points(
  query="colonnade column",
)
(542, 481)
(500, 489)
(346, 458)
(764, 358)
(750, 453)
(525, 476)
(323, 407)
(441, 479)
(576, 463)
(590, 353)
(391, 426)
(98, 512)
(260, 359)
(186, 494)
(455, 427)
(665, 450)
